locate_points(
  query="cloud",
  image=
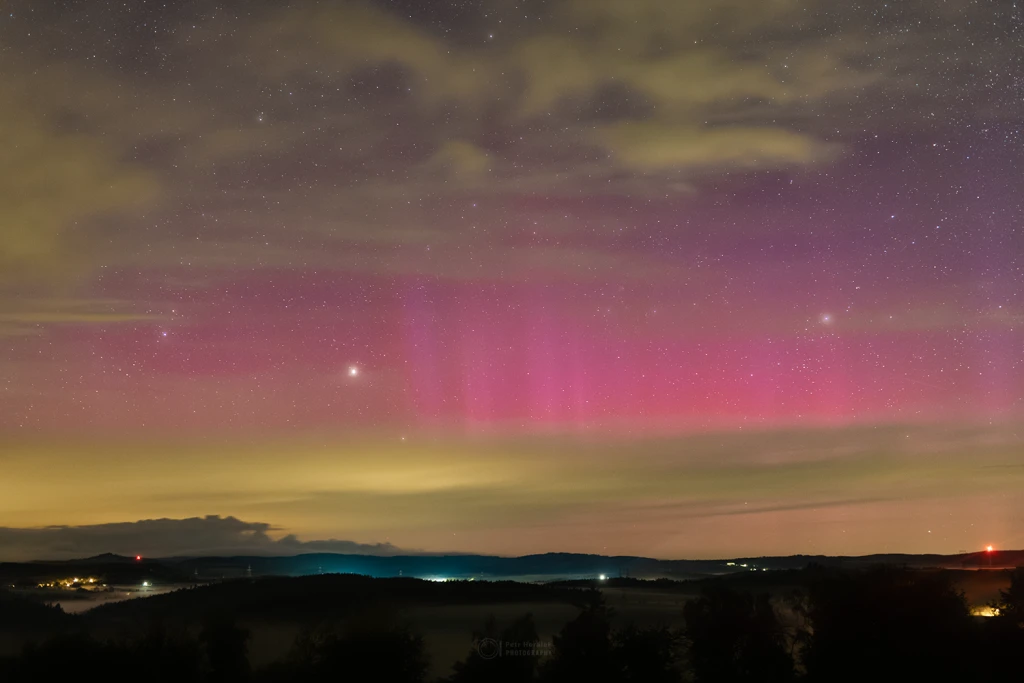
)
(304, 103)
(211, 535)
(559, 75)
(461, 158)
(31, 316)
(73, 317)
(73, 311)
(651, 18)
(655, 146)
(343, 37)
(693, 60)
(53, 179)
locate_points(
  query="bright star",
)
(826, 318)
(353, 371)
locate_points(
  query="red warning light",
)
(989, 549)
(138, 558)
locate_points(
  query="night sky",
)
(676, 279)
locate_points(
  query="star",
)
(353, 371)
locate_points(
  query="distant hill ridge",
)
(547, 566)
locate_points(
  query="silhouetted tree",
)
(17, 612)
(1004, 633)
(648, 655)
(498, 657)
(63, 657)
(888, 624)
(226, 649)
(364, 653)
(736, 637)
(160, 656)
(582, 651)
(1011, 603)
(153, 657)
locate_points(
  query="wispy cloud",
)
(29, 316)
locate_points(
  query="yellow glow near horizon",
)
(669, 497)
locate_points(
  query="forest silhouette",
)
(880, 624)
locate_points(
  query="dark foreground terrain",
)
(820, 623)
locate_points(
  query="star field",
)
(727, 276)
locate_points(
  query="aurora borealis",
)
(696, 279)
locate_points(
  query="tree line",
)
(883, 624)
